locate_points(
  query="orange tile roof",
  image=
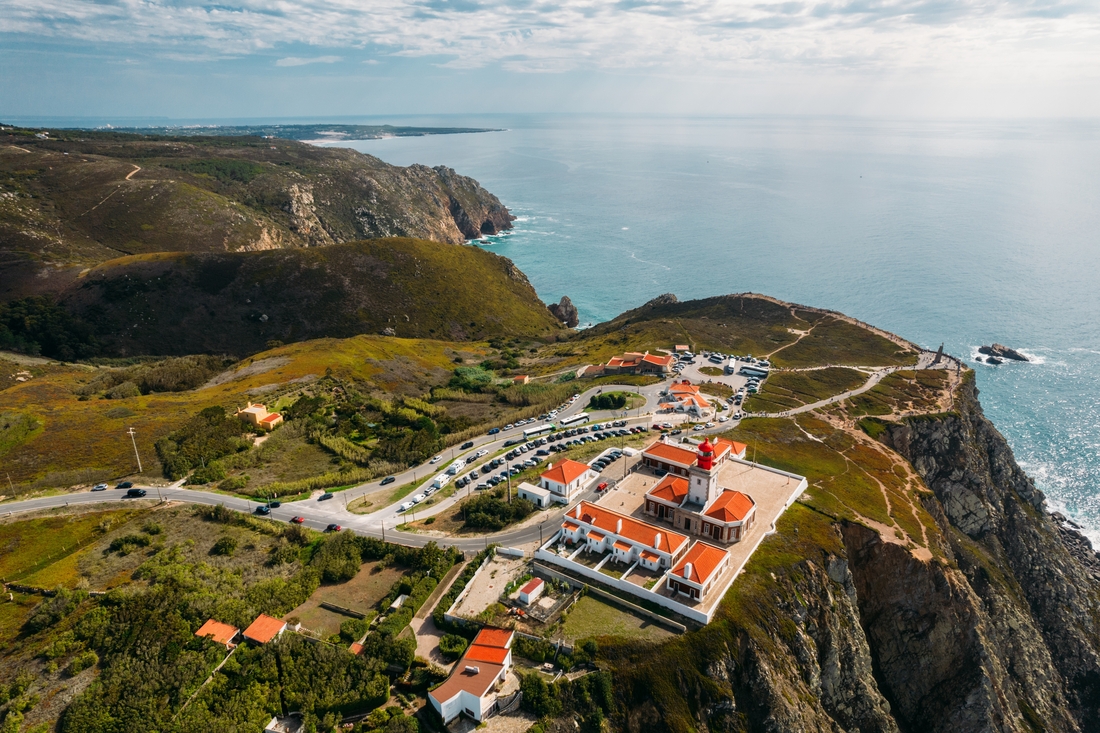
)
(219, 632)
(565, 472)
(480, 653)
(264, 629)
(356, 648)
(570, 525)
(531, 585)
(659, 360)
(595, 536)
(489, 636)
(684, 387)
(735, 448)
(638, 532)
(671, 454)
(730, 506)
(271, 417)
(704, 560)
(671, 488)
(650, 556)
(622, 546)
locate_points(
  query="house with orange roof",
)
(683, 396)
(627, 539)
(688, 496)
(634, 362)
(531, 591)
(698, 569)
(224, 634)
(470, 690)
(521, 379)
(566, 478)
(264, 629)
(257, 416)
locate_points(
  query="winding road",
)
(381, 523)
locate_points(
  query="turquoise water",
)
(961, 233)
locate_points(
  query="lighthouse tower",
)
(703, 482)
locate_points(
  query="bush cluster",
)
(492, 511)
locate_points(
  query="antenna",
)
(137, 455)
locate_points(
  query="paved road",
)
(320, 514)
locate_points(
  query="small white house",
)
(538, 496)
(566, 478)
(531, 591)
(471, 688)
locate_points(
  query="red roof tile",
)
(671, 454)
(730, 506)
(264, 629)
(565, 472)
(491, 654)
(219, 632)
(704, 560)
(622, 546)
(356, 648)
(735, 448)
(489, 636)
(531, 586)
(633, 530)
(671, 488)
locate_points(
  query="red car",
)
(602, 486)
(298, 520)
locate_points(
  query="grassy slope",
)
(238, 302)
(739, 324)
(82, 441)
(74, 205)
(784, 390)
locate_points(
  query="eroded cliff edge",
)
(993, 626)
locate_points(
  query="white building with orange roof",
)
(470, 688)
(635, 362)
(689, 497)
(627, 539)
(698, 569)
(686, 397)
(566, 478)
(257, 416)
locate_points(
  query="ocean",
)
(961, 233)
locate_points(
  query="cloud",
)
(717, 36)
(298, 61)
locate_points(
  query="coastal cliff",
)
(995, 627)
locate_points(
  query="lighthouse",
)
(703, 484)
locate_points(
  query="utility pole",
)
(10, 484)
(133, 439)
(383, 530)
(508, 479)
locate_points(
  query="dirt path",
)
(873, 380)
(801, 335)
(131, 173)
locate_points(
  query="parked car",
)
(325, 496)
(135, 493)
(99, 487)
(122, 485)
(333, 528)
(388, 480)
(405, 507)
(297, 520)
(723, 418)
(602, 486)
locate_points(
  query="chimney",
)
(657, 541)
(619, 527)
(578, 511)
(687, 574)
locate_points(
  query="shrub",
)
(451, 646)
(128, 543)
(152, 528)
(233, 483)
(608, 401)
(492, 512)
(124, 391)
(206, 437)
(353, 629)
(471, 379)
(82, 662)
(224, 546)
(207, 474)
(338, 558)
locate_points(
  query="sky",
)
(198, 59)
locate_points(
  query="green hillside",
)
(80, 198)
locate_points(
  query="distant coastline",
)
(312, 134)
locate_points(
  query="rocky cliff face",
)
(565, 312)
(997, 631)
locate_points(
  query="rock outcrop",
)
(998, 631)
(1000, 351)
(565, 312)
